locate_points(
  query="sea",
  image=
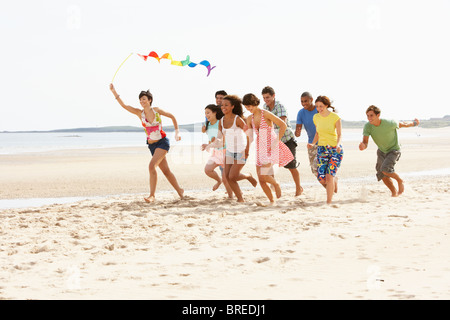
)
(36, 142)
(25, 142)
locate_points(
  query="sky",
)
(59, 57)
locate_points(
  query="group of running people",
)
(230, 135)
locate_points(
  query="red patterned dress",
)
(268, 148)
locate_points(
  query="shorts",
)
(386, 162)
(328, 161)
(161, 144)
(292, 145)
(239, 157)
(312, 154)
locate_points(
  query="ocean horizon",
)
(26, 142)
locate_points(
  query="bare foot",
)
(252, 180)
(401, 187)
(181, 193)
(150, 199)
(217, 185)
(240, 200)
(299, 191)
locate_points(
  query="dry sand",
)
(367, 245)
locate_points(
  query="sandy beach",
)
(366, 245)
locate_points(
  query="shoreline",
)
(21, 203)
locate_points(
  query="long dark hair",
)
(236, 103)
(217, 110)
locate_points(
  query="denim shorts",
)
(162, 144)
(236, 156)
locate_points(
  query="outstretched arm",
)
(174, 121)
(407, 124)
(126, 107)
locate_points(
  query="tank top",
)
(212, 130)
(153, 130)
(235, 137)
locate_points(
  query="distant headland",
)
(430, 123)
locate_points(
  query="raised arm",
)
(126, 107)
(407, 124)
(174, 121)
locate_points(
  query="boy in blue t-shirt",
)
(305, 118)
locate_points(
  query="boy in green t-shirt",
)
(384, 134)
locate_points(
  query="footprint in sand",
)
(261, 260)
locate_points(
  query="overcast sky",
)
(59, 57)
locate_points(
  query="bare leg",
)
(157, 157)
(330, 187)
(247, 176)
(264, 180)
(164, 166)
(296, 177)
(335, 184)
(210, 172)
(227, 186)
(388, 182)
(395, 176)
(232, 171)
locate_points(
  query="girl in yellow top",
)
(329, 151)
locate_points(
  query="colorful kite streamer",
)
(183, 63)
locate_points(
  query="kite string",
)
(120, 67)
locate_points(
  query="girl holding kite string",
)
(157, 141)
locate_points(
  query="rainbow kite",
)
(168, 56)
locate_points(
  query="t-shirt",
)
(326, 128)
(305, 117)
(384, 135)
